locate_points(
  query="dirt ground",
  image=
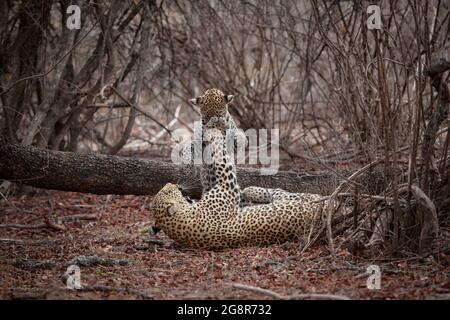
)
(159, 269)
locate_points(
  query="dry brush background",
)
(346, 99)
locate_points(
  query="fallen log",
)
(106, 174)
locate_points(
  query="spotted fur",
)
(217, 221)
(263, 195)
(213, 104)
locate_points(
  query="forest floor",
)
(32, 261)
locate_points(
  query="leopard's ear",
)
(195, 101)
(153, 230)
(172, 210)
(229, 98)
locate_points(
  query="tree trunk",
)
(106, 174)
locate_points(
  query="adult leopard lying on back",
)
(217, 221)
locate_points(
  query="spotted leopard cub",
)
(217, 221)
(213, 104)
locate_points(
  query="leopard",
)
(213, 103)
(267, 195)
(217, 221)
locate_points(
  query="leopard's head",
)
(212, 102)
(167, 204)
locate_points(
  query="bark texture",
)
(106, 174)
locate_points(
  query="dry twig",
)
(274, 295)
(54, 223)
